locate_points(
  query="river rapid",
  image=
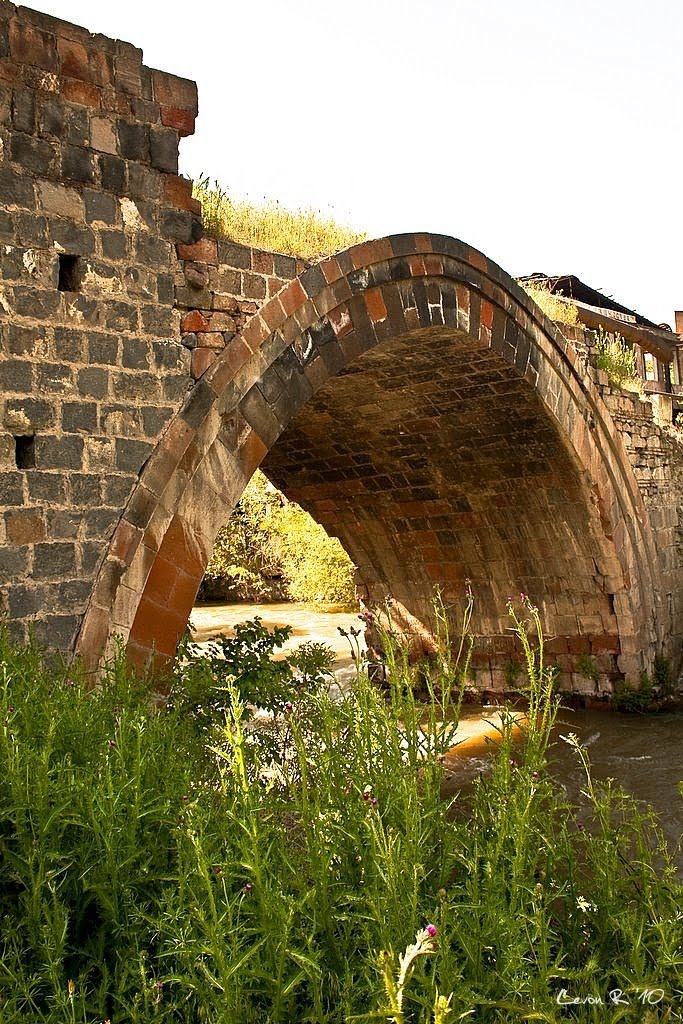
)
(641, 752)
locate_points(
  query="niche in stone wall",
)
(71, 271)
(25, 451)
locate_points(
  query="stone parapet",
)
(219, 286)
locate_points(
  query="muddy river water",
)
(641, 752)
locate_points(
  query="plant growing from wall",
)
(616, 357)
(560, 310)
(512, 671)
(587, 668)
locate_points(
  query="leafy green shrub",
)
(244, 564)
(316, 567)
(651, 690)
(244, 663)
(307, 234)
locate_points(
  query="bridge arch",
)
(418, 403)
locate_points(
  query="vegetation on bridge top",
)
(616, 357)
(307, 234)
(559, 310)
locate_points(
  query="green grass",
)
(177, 863)
(305, 233)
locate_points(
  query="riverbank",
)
(641, 751)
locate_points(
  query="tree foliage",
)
(271, 549)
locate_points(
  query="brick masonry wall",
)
(654, 447)
(655, 451)
(92, 294)
(219, 285)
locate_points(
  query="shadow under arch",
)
(423, 330)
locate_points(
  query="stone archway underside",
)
(417, 402)
(435, 465)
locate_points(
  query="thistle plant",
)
(543, 702)
(425, 943)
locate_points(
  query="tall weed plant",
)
(275, 855)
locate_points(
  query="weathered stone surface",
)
(181, 225)
(112, 174)
(100, 207)
(27, 415)
(93, 382)
(163, 144)
(55, 559)
(78, 165)
(131, 455)
(103, 348)
(11, 490)
(114, 245)
(25, 527)
(15, 189)
(60, 200)
(202, 358)
(401, 391)
(35, 155)
(23, 110)
(60, 452)
(46, 487)
(79, 417)
(133, 141)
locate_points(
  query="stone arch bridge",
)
(406, 392)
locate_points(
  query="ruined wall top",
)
(111, 302)
(91, 365)
(102, 74)
(87, 113)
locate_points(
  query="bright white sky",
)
(547, 134)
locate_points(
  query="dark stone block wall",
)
(97, 350)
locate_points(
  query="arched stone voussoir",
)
(394, 325)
